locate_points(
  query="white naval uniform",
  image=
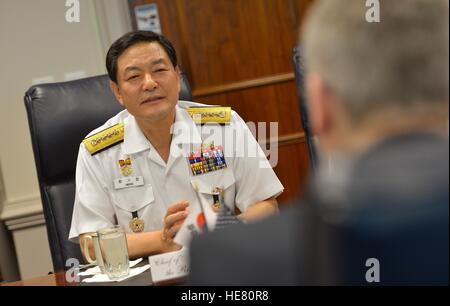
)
(98, 204)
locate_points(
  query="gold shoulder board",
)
(104, 139)
(212, 114)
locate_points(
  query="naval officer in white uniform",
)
(136, 170)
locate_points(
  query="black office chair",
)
(60, 115)
(297, 61)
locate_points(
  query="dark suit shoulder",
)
(253, 254)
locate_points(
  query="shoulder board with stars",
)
(212, 114)
(104, 139)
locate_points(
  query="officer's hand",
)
(175, 216)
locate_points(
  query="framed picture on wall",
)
(147, 18)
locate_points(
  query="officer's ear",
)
(116, 91)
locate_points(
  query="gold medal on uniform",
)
(216, 203)
(125, 166)
(216, 192)
(136, 223)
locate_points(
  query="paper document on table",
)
(96, 270)
(104, 278)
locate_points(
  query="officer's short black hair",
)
(131, 39)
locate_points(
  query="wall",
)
(39, 45)
(8, 263)
(230, 59)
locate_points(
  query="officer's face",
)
(147, 83)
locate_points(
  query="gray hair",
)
(401, 61)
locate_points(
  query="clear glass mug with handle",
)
(114, 248)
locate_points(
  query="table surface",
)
(59, 279)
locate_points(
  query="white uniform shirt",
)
(247, 179)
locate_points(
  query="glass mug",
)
(114, 250)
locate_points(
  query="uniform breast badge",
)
(125, 166)
(210, 158)
(136, 223)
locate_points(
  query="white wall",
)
(36, 41)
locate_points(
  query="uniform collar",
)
(134, 140)
(185, 132)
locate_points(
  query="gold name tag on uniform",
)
(126, 182)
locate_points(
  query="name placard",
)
(125, 182)
(167, 266)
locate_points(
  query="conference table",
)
(59, 279)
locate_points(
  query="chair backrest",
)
(60, 115)
(297, 61)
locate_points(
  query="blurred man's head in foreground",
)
(370, 80)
